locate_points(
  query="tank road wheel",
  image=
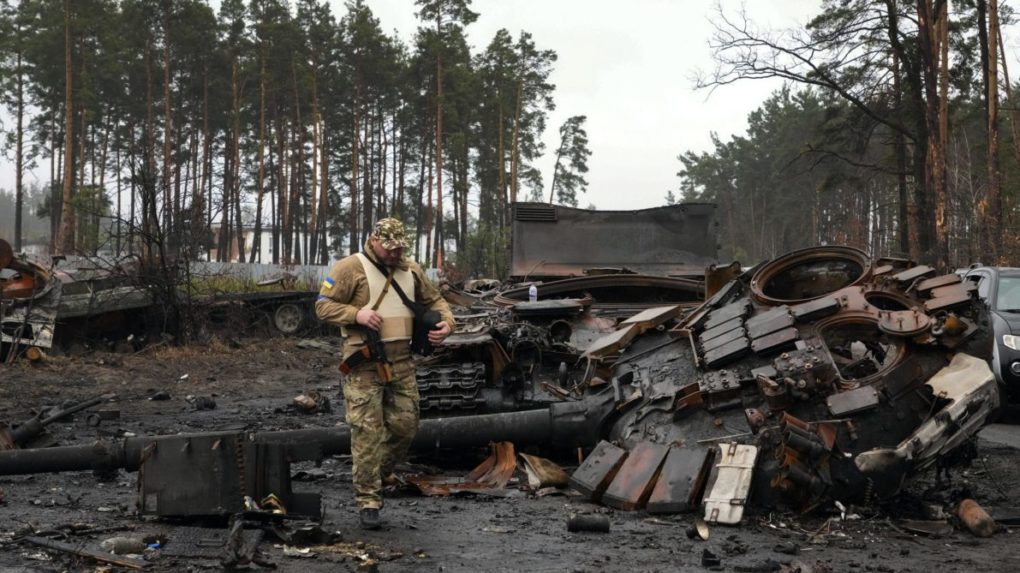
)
(287, 318)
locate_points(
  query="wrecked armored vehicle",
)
(511, 353)
(29, 295)
(820, 375)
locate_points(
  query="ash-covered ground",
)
(253, 382)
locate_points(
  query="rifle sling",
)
(415, 307)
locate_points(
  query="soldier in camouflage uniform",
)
(383, 416)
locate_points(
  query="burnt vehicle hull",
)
(841, 376)
(554, 242)
(29, 298)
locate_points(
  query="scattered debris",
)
(544, 473)
(32, 433)
(312, 402)
(100, 556)
(123, 545)
(976, 519)
(587, 522)
(698, 529)
(491, 476)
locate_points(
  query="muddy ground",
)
(253, 382)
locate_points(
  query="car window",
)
(1008, 297)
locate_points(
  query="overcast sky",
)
(628, 66)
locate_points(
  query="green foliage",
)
(571, 162)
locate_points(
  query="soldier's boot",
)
(370, 518)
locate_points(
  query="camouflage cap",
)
(390, 233)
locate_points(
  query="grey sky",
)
(628, 67)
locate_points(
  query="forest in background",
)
(886, 137)
(197, 131)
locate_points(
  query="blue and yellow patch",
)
(328, 283)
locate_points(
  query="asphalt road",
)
(1004, 434)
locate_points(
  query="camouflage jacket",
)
(346, 291)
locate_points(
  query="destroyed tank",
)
(820, 375)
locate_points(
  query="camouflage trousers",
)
(383, 418)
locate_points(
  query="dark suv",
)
(1000, 288)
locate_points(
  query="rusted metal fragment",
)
(652, 317)
(611, 343)
(939, 281)
(727, 353)
(682, 480)
(736, 309)
(491, 475)
(914, 273)
(953, 289)
(544, 473)
(717, 277)
(735, 334)
(949, 300)
(727, 496)
(597, 471)
(633, 484)
(904, 322)
(769, 322)
(815, 309)
(776, 341)
(882, 270)
(687, 399)
(852, 401)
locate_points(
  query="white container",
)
(532, 293)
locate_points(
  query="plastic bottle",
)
(532, 293)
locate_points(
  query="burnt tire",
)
(288, 318)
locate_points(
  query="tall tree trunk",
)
(930, 39)
(355, 158)
(260, 181)
(66, 240)
(313, 218)
(19, 154)
(515, 150)
(994, 197)
(501, 177)
(201, 201)
(900, 147)
(170, 202)
(438, 262)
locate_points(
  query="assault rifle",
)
(373, 351)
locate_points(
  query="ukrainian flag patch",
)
(328, 283)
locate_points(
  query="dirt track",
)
(253, 383)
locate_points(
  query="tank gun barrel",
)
(564, 424)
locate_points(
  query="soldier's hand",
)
(439, 333)
(369, 319)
